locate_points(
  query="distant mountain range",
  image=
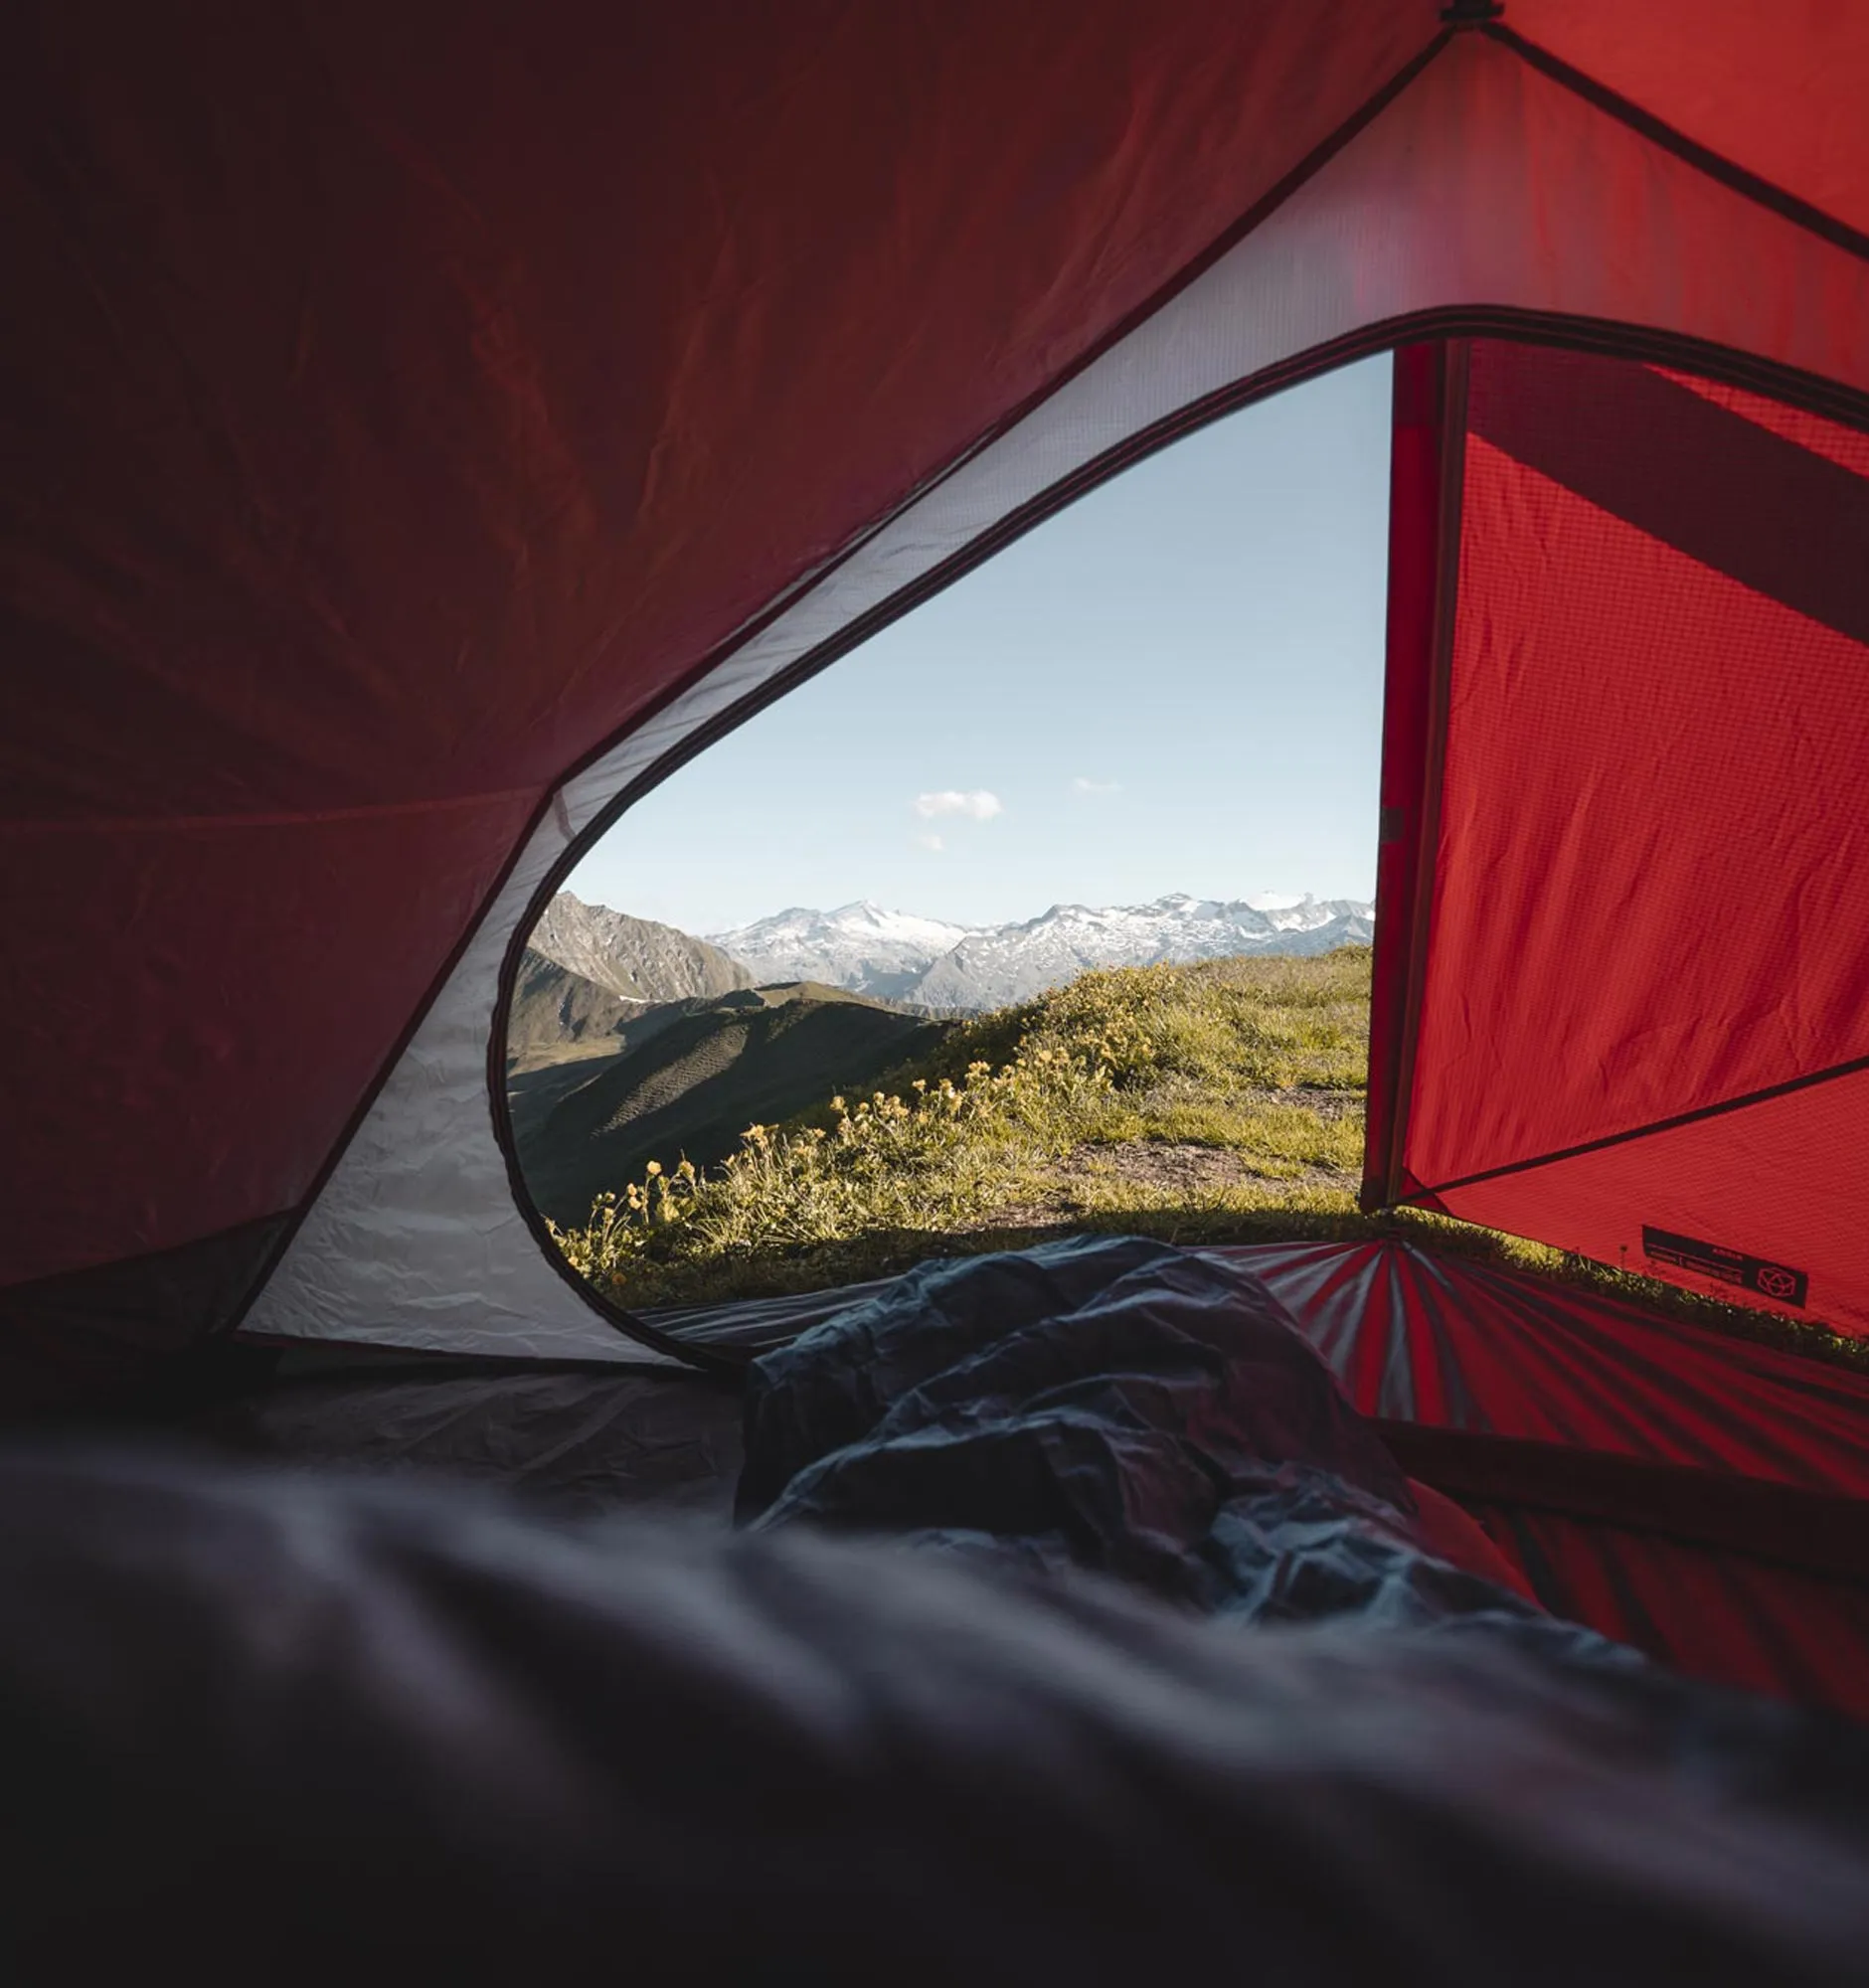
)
(859, 946)
(945, 968)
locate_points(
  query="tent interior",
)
(429, 427)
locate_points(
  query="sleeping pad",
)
(1124, 1408)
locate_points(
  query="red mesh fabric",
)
(1652, 894)
(1784, 1176)
(1416, 473)
(1847, 447)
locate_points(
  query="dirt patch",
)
(1182, 1167)
(1169, 1167)
(1330, 1104)
(1053, 1212)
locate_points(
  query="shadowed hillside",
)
(706, 1073)
(556, 1013)
(559, 1016)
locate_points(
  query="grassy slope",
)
(1218, 1103)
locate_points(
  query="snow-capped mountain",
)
(941, 967)
(859, 946)
(987, 970)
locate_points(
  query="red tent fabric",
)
(410, 398)
(1640, 1021)
(1697, 1496)
(1774, 94)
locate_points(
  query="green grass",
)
(1221, 1102)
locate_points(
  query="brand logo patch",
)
(1776, 1281)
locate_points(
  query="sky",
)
(1173, 685)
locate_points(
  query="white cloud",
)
(932, 842)
(1099, 788)
(978, 805)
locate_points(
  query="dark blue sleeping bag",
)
(1120, 1407)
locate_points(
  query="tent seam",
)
(1702, 158)
(1763, 1095)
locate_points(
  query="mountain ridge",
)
(633, 959)
(859, 946)
(900, 957)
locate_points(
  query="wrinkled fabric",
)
(1117, 1407)
(574, 1444)
(1097, 1339)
